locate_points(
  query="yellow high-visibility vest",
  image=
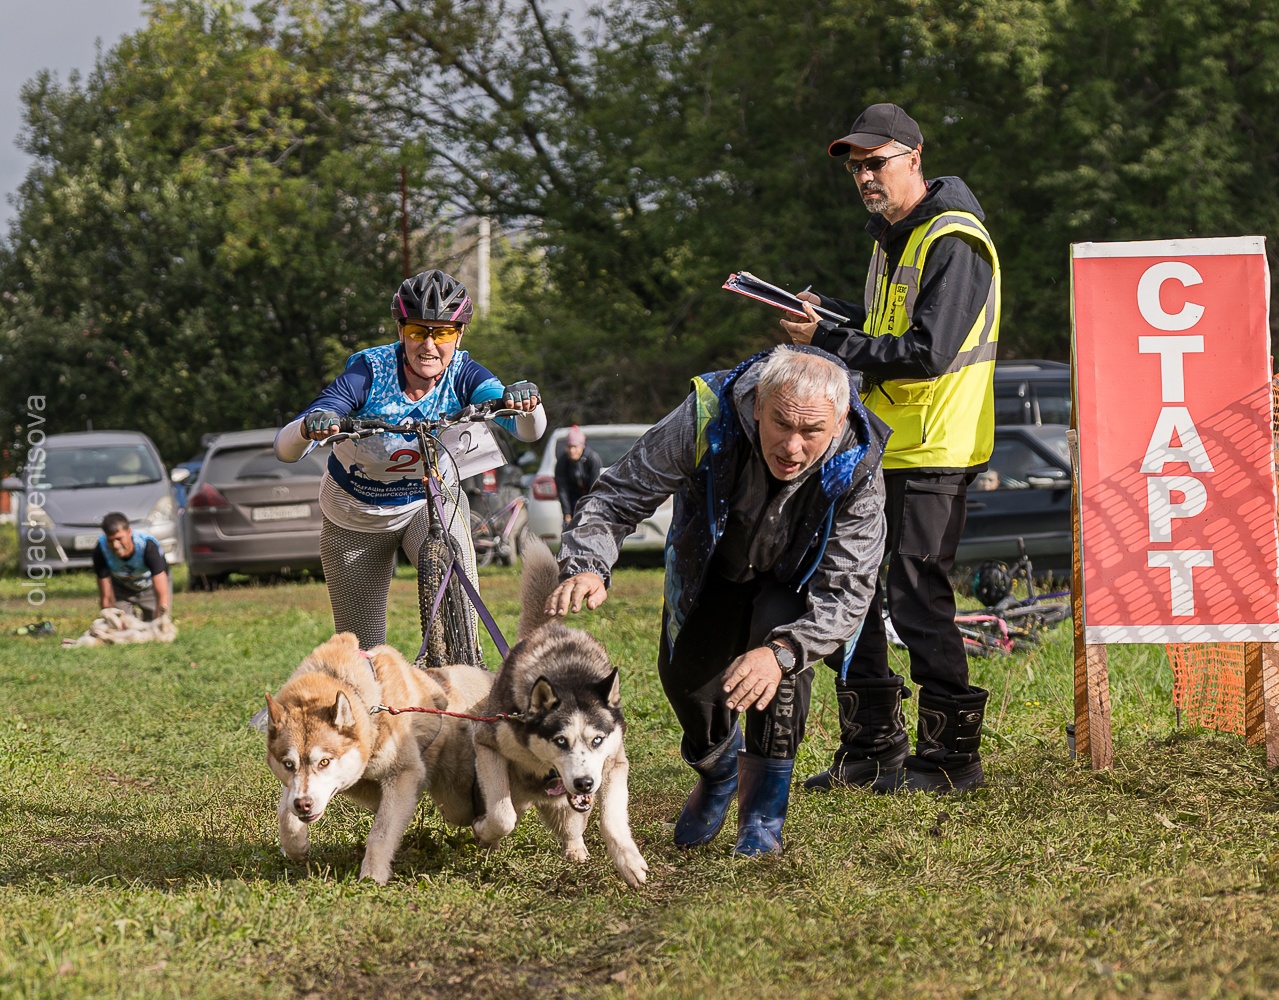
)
(945, 422)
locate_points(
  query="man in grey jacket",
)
(771, 561)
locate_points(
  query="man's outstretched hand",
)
(584, 588)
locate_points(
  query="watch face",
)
(785, 658)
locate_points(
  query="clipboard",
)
(745, 283)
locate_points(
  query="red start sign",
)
(1176, 453)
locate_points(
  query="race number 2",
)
(474, 449)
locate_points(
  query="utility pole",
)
(483, 250)
(404, 217)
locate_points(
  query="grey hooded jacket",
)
(759, 529)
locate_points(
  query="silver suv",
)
(75, 482)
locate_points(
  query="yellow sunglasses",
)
(440, 334)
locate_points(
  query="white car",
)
(610, 442)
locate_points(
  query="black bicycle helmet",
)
(992, 582)
(432, 295)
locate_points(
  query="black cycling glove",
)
(319, 420)
(519, 392)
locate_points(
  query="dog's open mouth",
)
(578, 802)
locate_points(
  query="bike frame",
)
(429, 445)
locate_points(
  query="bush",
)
(9, 549)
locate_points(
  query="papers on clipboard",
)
(745, 283)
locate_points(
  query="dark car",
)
(1032, 392)
(1025, 494)
(248, 512)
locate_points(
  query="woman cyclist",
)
(372, 497)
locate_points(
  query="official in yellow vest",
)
(923, 338)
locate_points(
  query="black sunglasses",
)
(872, 163)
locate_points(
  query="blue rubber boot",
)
(703, 814)
(763, 793)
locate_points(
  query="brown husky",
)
(321, 740)
(566, 746)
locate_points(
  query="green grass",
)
(138, 850)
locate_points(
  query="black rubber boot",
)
(763, 794)
(703, 814)
(947, 756)
(873, 741)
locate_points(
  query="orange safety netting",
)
(1207, 678)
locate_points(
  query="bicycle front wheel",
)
(450, 633)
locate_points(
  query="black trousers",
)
(925, 519)
(729, 619)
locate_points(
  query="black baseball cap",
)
(876, 126)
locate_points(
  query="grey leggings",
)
(358, 566)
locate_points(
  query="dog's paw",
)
(379, 873)
(295, 844)
(488, 832)
(577, 852)
(631, 866)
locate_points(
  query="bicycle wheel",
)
(450, 635)
(487, 542)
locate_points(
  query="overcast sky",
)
(58, 35)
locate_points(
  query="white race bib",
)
(473, 448)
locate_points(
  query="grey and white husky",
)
(565, 749)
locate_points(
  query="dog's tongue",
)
(554, 786)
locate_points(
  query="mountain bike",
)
(446, 593)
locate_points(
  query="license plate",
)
(284, 512)
(83, 542)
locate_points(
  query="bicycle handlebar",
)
(352, 428)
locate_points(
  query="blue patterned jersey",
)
(387, 469)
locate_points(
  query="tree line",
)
(212, 222)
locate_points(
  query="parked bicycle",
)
(449, 632)
(496, 536)
(1008, 622)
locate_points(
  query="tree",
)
(206, 232)
(650, 149)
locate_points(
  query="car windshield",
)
(105, 465)
(256, 462)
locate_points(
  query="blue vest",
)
(132, 572)
(702, 508)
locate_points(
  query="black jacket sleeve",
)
(561, 485)
(952, 292)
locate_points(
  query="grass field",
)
(138, 852)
